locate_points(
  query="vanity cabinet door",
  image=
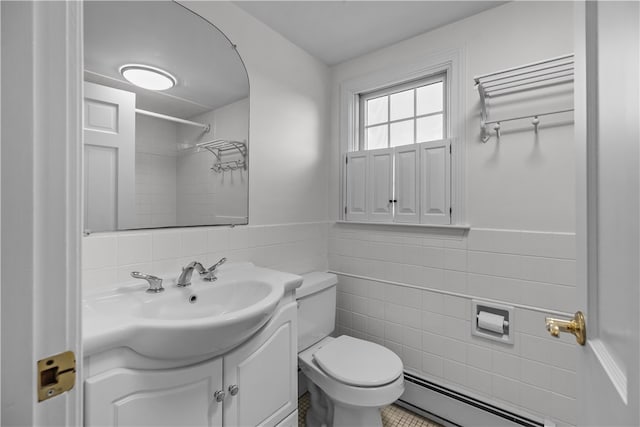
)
(173, 397)
(264, 370)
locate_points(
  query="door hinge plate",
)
(56, 374)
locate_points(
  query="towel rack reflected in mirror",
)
(222, 147)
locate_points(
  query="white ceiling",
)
(163, 34)
(336, 31)
(209, 71)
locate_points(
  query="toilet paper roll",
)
(491, 322)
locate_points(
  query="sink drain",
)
(193, 299)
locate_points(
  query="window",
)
(399, 137)
(403, 114)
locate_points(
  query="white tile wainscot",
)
(109, 258)
(411, 291)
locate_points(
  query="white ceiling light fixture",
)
(148, 77)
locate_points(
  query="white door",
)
(165, 397)
(608, 138)
(109, 154)
(261, 376)
(41, 215)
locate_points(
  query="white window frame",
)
(449, 62)
(425, 81)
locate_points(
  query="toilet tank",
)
(316, 308)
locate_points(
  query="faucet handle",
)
(210, 274)
(155, 283)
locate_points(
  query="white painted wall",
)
(232, 121)
(519, 183)
(410, 289)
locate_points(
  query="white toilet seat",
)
(358, 362)
(348, 394)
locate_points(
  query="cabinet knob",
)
(219, 395)
(233, 390)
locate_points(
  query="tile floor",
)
(392, 416)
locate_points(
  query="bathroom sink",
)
(206, 318)
(228, 298)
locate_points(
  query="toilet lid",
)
(357, 362)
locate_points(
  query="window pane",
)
(430, 128)
(430, 98)
(377, 137)
(402, 133)
(402, 105)
(377, 109)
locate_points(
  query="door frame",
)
(41, 211)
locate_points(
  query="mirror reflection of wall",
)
(170, 157)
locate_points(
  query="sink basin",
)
(228, 298)
(206, 318)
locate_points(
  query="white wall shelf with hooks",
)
(530, 77)
(221, 147)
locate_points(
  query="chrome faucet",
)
(185, 276)
(155, 283)
(211, 271)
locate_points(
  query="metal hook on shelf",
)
(228, 166)
(535, 122)
(484, 134)
(496, 127)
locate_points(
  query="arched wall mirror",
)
(166, 119)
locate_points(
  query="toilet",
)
(349, 380)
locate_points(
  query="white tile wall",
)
(430, 330)
(156, 154)
(109, 258)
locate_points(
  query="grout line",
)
(460, 295)
(465, 271)
(520, 254)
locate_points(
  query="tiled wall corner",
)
(431, 329)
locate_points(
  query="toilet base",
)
(323, 412)
(320, 412)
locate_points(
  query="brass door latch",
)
(56, 374)
(575, 326)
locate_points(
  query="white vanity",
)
(220, 353)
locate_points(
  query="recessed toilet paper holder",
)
(492, 321)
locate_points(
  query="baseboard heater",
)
(453, 408)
